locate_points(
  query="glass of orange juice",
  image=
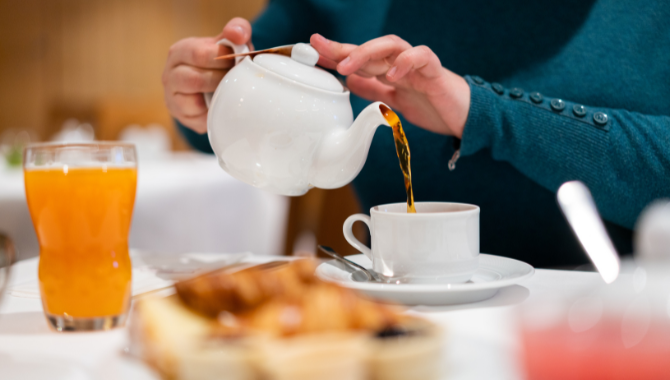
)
(81, 198)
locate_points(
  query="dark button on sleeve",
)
(498, 88)
(557, 105)
(477, 79)
(600, 118)
(516, 93)
(579, 110)
(536, 97)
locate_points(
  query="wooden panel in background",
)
(114, 114)
(22, 50)
(319, 214)
(60, 55)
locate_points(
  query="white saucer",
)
(494, 272)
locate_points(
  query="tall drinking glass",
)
(81, 199)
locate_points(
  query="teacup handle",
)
(349, 234)
(237, 49)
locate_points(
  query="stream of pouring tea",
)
(402, 149)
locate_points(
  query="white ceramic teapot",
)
(281, 124)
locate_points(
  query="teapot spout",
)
(343, 152)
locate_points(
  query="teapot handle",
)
(237, 49)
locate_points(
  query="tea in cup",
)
(437, 244)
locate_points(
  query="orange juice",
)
(82, 219)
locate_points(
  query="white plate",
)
(494, 273)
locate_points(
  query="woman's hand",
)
(409, 79)
(191, 70)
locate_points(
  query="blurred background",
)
(76, 70)
(99, 61)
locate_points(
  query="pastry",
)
(276, 322)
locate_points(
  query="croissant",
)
(322, 307)
(218, 291)
(278, 321)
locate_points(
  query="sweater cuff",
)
(478, 132)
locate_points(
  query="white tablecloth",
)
(184, 203)
(481, 340)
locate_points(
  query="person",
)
(574, 90)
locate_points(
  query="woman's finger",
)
(326, 63)
(371, 89)
(382, 78)
(198, 52)
(189, 105)
(374, 68)
(331, 50)
(383, 49)
(201, 52)
(419, 58)
(237, 31)
(188, 111)
(196, 123)
(190, 80)
(369, 70)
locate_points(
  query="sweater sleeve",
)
(623, 157)
(284, 22)
(196, 140)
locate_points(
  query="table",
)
(184, 202)
(480, 341)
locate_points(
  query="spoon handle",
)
(581, 213)
(331, 252)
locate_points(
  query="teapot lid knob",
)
(305, 54)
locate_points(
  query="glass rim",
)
(89, 144)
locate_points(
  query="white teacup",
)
(438, 244)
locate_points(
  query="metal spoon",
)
(580, 210)
(359, 274)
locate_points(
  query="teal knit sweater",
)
(564, 90)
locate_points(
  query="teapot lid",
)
(300, 68)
